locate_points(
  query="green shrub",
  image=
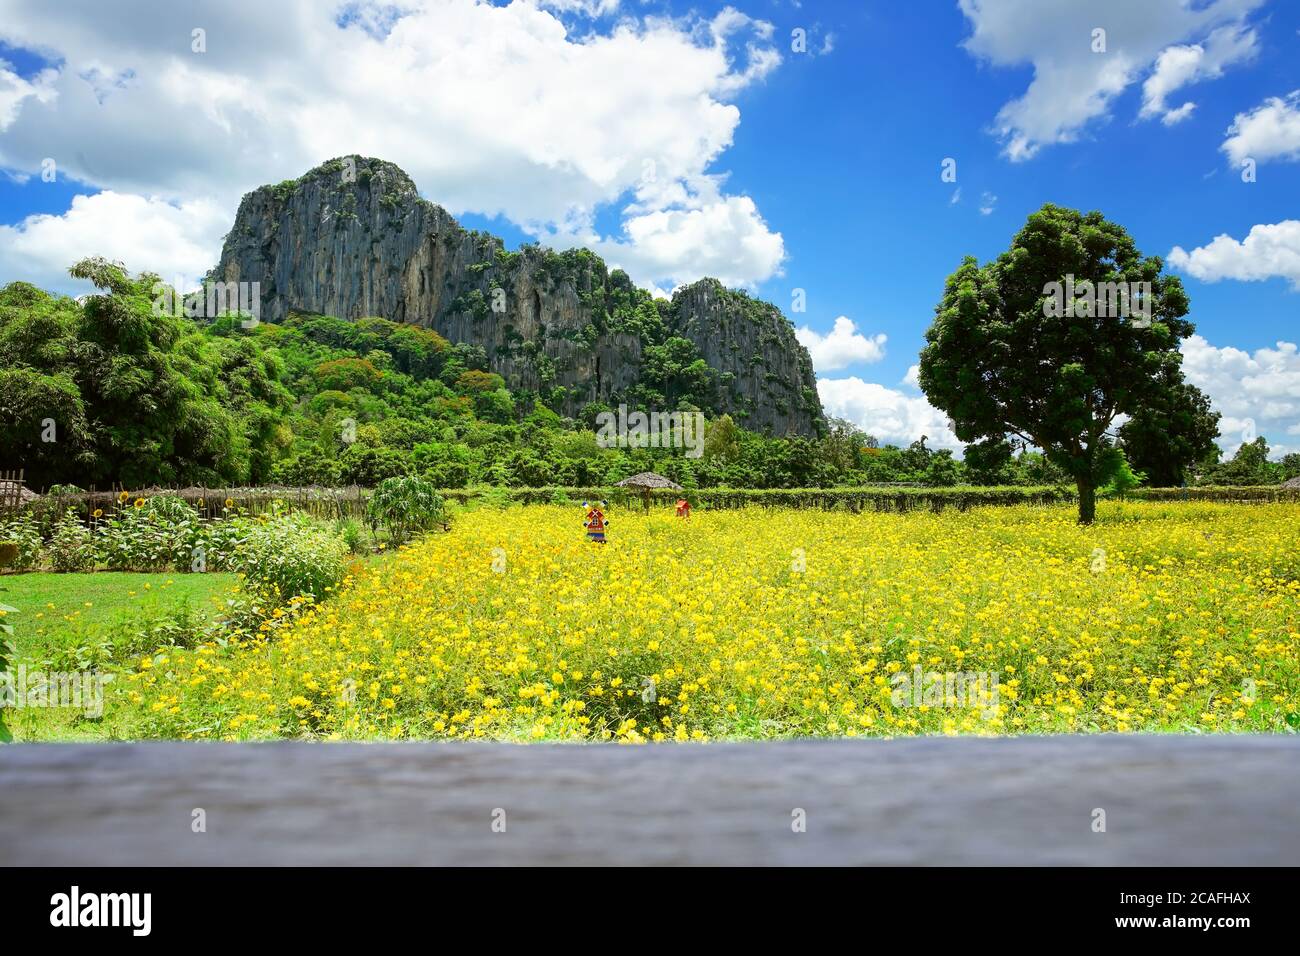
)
(130, 640)
(867, 498)
(212, 545)
(24, 533)
(72, 546)
(92, 654)
(134, 540)
(288, 556)
(1123, 479)
(169, 510)
(288, 564)
(353, 535)
(406, 506)
(150, 535)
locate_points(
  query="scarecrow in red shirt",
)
(596, 522)
(683, 508)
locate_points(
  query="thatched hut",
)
(646, 482)
(14, 494)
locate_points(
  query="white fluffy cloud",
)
(491, 109)
(722, 237)
(174, 240)
(1270, 250)
(841, 347)
(1179, 66)
(1175, 116)
(14, 90)
(589, 8)
(889, 415)
(1257, 393)
(1072, 85)
(1269, 131)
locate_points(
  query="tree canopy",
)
(1068, 329)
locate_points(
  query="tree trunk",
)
(1087, 501)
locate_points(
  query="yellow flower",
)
(896, 624)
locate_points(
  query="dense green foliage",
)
(111, 392)
(140, 398)
(281, 549)
(1250, 466)
(136, 398)
(288, 556)
(1168, 437)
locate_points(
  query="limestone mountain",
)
(352, 238)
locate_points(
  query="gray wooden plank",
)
(1211, 800)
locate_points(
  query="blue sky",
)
(680, 140)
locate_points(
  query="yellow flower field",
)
(758, 624)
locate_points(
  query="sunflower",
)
(139, 503)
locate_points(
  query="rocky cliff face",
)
(766, 375)
(352, 238)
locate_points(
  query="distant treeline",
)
(351, 502)
(107, 393)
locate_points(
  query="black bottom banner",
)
(330, 905)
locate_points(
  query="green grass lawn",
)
(59, 610)
(60, 614)
(103, 621)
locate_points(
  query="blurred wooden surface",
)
(1168, 801)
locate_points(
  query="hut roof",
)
(648, 479)
(12, 491)
(1292, 482)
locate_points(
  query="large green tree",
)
(1249, 466)
(118, 391)
(1018, 347)
(988, 462)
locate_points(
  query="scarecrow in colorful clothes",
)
(683, 508)
(596, 522)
